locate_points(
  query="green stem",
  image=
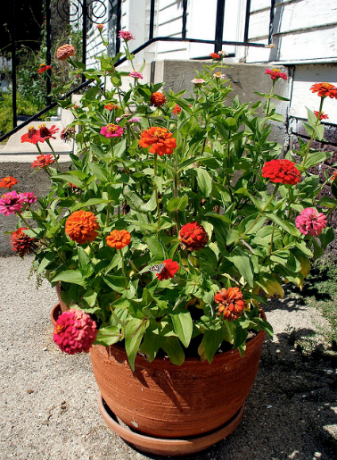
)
(156, 188)
(176, 181)
(54, 154)
(313, 132)
(123, 270)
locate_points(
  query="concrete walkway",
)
(48, 400)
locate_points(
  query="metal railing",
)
(116, 8)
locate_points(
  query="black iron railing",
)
(115, 7)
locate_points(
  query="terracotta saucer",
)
(168, 447)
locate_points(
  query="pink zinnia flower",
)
(198, 81)
(75, 332)
(125, 35)
(30, 197)
(134, 120)
(136, 75)
(11, 202)
(112, 130)
(100, 27)
(310, 221)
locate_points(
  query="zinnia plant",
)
(177, 217)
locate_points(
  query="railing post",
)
(151, 20)
(15, 122)
(48, 40)
(84, 35)
(220, 19)
(271, 22)
(118, 25)
(183, 34)
(247, 19)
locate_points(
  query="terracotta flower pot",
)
(167, 401)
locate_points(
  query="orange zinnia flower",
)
(81, 226)
(157, 99)
(118, 239)
(8, 182)
(64, 52)
(176, 109)
(160, 140)
(42, 161)
(324, 89)
(231, 303)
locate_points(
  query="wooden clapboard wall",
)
(302, 30)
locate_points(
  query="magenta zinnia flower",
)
(310, 221)
(136, 75)
(11, 202)
(75, 332)
(112, 130)
(125, 35)
(30, 197)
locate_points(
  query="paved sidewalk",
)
(48, 400)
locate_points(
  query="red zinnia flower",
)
(276, 74)
(193, 236)
(22, 243)
(157, 99)
(168, 271)
(231, 303)
(33, 136)
(111, 106)
(118, 239)
(215, 56)
(81, 226)
(42, 161)
(160, 140)
(8, 182)
(43, 68)
(324, 89)
(176, 109)
(281, 171)
(47, 133)
(321, 115)
(64, 52)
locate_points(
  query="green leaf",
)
(117, 283)
(172, 347)
(211, 343)
(317, 158)
(83, 258)
(108, 336)
(70, 178)
(287, 226)
(178, 204)
(243, 263)
(70, 276)
(90, 297)
(134, 331)
(156, 248)
(204, 182)
(183, 325)
(48, 258)
(91, 202)
(280, 98)
(119, 149)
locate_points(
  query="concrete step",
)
(15, 147)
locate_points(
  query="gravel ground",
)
(49, 407)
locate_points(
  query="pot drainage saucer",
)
(167, 446)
